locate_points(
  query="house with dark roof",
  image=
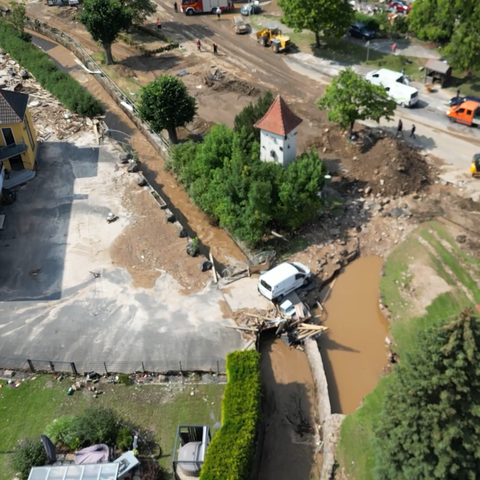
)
(18, 141)
(278, 133)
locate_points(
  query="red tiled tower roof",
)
(279, 119)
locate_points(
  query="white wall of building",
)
(284, 150)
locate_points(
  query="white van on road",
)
(396, 84)
(283, 279)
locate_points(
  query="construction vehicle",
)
(272, 37)
(475, 165)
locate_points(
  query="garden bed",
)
(156, 408)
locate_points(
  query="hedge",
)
(60, 84)
(230, 455)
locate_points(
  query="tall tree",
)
(429, 427)
(104, 20)
(350, 98)
(329, 18)
(251, 114)
(433, 20)
(18, 17)
(141, 9)
(166, 104)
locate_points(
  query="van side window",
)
(299, 276)
(266, 285)
(461, 110)
(469, 112)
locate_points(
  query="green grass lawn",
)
(355, 450)
(26, 410)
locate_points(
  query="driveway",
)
(51, 305)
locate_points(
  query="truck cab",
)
(467, 113)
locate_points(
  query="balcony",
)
(9, 151)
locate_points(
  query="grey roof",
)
(438, 66)
(12, 106)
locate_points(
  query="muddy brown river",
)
(353, 350)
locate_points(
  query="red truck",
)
(205, 6)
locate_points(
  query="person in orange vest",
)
(159, 24)
(394, 48)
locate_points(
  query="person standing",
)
(199, 46)
(214, 45)
(159, 24)
(399, 128)
(175, 6)
(394, 48)
(412, 133)
(458, 92)
(219, 13)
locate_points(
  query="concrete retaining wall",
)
(330, 423)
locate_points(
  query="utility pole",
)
(368, 49)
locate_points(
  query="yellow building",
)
(18, 141)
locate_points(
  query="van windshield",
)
(414, 94)
(297, 267)
(264, 284)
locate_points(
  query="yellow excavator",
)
(272, 37)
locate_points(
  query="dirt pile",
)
(391, 168)
(237, 86)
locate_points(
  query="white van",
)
(396, 84)
(385, 77)
(283, 279)
(404, 95)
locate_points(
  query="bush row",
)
(230, 455)
(60, 84)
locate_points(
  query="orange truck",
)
(191, 7)
(467, 113)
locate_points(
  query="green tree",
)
(350, 98)
(329, 18)
(429, 427)
(18, 17)
(298, 192)
(166, 104)
(141, 9)
(30, 453)
(244, 122)
(463, 50)
(433, 20)
(104, 20)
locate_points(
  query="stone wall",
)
(330, 423)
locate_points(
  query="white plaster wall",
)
(284, 149)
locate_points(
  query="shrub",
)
(97, 425)
(31, 453)
(230, 454)
(151, 470)
(124, 379)
(64, 430)
(124, 439)
(60, 84)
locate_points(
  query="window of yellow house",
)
(29, 133)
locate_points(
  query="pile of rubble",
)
(48, 114)
(293, 326)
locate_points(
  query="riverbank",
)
(431, 276)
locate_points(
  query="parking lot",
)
(62, 297)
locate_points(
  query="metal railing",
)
(161, 366)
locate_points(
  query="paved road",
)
(51, 306)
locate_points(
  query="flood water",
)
(353, 349)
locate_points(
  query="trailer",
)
(190, 7)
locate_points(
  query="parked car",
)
(459, 100)
(250, 9)
(283, 279)
(359, 30)
(239, 26)
(400, 6)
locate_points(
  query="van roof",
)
(402, 86)
(468, 104)
(388, 74)
(279, 273)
